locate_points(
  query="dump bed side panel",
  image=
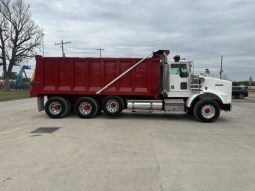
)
(85, 76)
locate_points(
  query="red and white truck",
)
(89, 85)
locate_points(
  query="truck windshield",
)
(179, 69)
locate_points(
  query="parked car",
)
(239, 92)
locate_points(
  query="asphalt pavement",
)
(134, 152)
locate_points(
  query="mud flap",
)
(40, 103)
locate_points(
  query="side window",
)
(183, 71)
(174, 69)
(179, 69)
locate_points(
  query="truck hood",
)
(219, 87)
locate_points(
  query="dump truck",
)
(88, 86)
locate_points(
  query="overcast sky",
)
(197, 30)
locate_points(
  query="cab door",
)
(179, 78)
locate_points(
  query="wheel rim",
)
(85, 108)
(112, 105)
(208, 111)
(55, 108)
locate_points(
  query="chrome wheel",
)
(55, 108)
(85, 108)
(208, 111)
(112, 105)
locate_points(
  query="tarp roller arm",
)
(124, 73)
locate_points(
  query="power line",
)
(62, 43)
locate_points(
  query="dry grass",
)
(13, 95)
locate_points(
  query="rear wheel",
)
(56, 107)
(113, 105)
(206, 110)
(241, 96)
(86, 107)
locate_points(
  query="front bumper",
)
(226, 107)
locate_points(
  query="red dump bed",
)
(85, 76)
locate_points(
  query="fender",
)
(204, 95)
(191, 99)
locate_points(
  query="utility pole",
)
(62, 43)
(221, 71)
(100, 51)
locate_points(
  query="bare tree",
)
(19, 35)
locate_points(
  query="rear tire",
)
(86, 107)
(68, 110)
(206, 110)
(56, 107)
(241, 96)
(99, 109)
(113, 105)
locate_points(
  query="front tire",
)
(206, 110)
(56, 107)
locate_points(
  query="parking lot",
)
(135, 151)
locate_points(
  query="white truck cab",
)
(181, 91)
(203, 97)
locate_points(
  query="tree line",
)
(244, 83)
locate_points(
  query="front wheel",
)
(206, 110)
